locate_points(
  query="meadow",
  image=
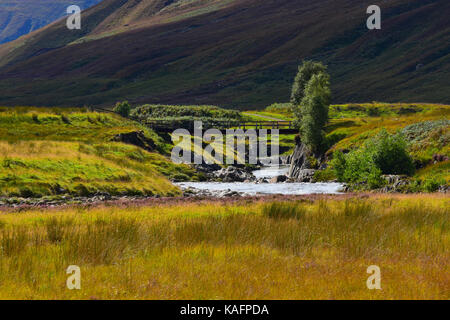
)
(52, 151)
(300, 248)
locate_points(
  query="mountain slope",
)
(230, 53)
(19, 17)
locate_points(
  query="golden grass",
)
(308, 249)
(36, 168)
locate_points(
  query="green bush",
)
(383, 154)
(123, 108)
(325, 175)
(432, 185)
(389, 152)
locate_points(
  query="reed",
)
(302, 250)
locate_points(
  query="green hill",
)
(74, 152)
(426, 128)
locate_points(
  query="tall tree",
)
(314, 111)
(304, 74)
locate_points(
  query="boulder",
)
(300, 161)
(233, 174)
(278, 179)
(306, 175)
(207, 168)
(439, 158)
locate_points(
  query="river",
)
(267, 188)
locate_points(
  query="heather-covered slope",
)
(230, 53)
(19, 17)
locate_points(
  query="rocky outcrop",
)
(214, 172)
(301, 169)
(395, 183)
(207, 169)
(278, 179)
(439, 158)
(306, 175)
(285, 159)
(233, 174)
(195, 193)
(136, 138)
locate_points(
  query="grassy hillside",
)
(426, 128)
(71, 151)
(223, 53)
(316, 248)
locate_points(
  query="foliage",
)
(41, 154)
(383, 154)
(432, 185)
(304, 75)
(390, 153)
(305, 72)
(190, 113)
(122, 108)
(428, 138)
(417, 132)
(281, 108)
(324, 175)
(314, 112)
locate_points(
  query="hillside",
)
(57, 152)
(20, 17)
(230, 53)
(426, 129)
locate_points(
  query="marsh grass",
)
(284, 210)
(240, 251)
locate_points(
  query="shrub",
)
(123, 108)
(383, 154)
(389, 152)
(432, 185)
(65, 119)
(35, 118)
(373, 112)
(325, 175)
(282, 108)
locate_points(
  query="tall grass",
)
(288, 250)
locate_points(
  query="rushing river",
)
(267, 188)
